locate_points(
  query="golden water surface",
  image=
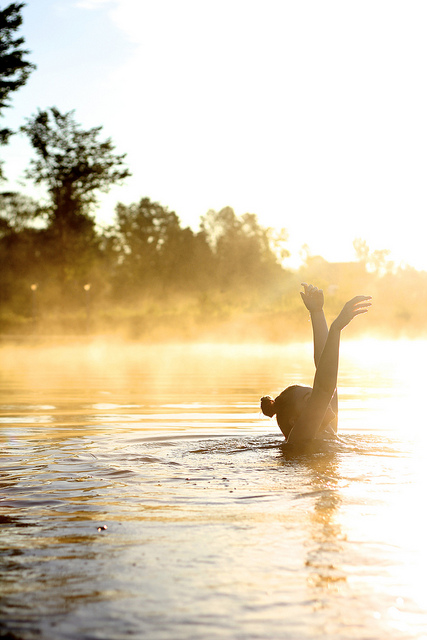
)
(143, 495)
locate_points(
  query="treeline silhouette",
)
(144, 269)
(148, 277)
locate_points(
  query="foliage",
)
(155, 253)
(14, 69)
(17, 212)
(375, 261)
(75, 166)
(72, 162)
(146, 275)
(150, 276)
(244, 259)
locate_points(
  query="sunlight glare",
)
(391, 365)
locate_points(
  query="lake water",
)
(144, 496)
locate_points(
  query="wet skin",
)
(301, 397)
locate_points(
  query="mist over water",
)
(144, 495)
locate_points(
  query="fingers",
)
(358, 299)
(309, 288)
(360, 304)
(357, 312)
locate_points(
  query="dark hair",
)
(282, 407)
(268, 406)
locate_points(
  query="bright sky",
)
(311, 114)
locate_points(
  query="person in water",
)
(306, 413)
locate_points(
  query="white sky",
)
(310, 113)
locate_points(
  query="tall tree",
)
(374, 261)
(14, 69)
(155, 252)
(242, 248)
(75, 166)
(72, 162)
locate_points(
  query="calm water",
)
(212, 529)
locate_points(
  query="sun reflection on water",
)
(168, 449)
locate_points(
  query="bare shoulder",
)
(310, 420)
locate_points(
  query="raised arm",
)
(325, 380)
(313, 299)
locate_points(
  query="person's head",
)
(287, 407)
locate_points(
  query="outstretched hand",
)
(312, 297)
(351, 309)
